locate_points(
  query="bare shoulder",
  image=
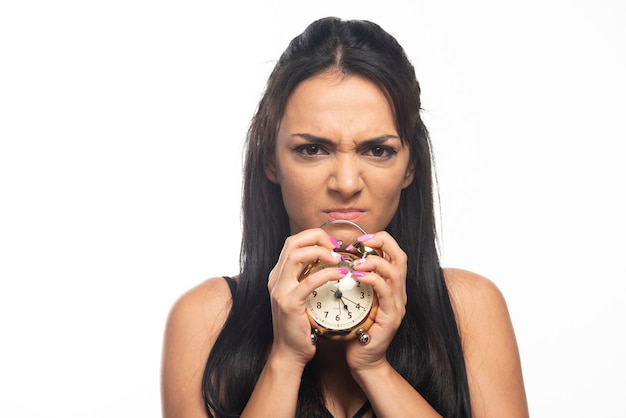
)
(477, 302)
(489, 345)
(458, 279)
(469, 290)
(194, 322)
(205, 303)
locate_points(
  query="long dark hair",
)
(426, 350)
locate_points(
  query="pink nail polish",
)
(365, 237)
(350, 247)
(358, 273)
(334, 242)
(343, 270)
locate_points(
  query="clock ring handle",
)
(343, 221)
(358, 246)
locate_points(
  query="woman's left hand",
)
(387, 275)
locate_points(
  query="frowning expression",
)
(339, 155)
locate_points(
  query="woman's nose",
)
(345, 177)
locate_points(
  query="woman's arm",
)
(391, 395)
(491, 355)
(276, 392)
(388, 392)
(198, 317)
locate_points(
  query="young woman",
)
(338, 136)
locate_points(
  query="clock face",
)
(340, 306)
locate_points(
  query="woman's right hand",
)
(292, 330)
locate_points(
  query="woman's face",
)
(339, 155)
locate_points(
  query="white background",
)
(121, 127)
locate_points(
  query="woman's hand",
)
(292, 330)
(387, 274)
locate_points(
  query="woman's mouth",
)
(345, 214)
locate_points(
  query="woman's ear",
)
(408, 176)
(271, 172)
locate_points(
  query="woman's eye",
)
(380, 152)
(310, 150)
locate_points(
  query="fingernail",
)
(358, 261)
(335, 243)
(350, 247)
(337, 256)
(343, 270)
(358, 273)
(365, 237)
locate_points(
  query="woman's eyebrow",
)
(314, 139)
(379, 140)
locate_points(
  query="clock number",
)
(315, 293)
(338, 318)
(319, 305)
(362, 295)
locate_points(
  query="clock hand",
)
(353, 302)
(339, 296)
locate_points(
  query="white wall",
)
(116, 117)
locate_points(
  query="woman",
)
(338, 136)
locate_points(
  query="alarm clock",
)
(342, 309)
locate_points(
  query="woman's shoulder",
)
(489, 345)
(205, 303)
(477, 301)
(194, 322)
(466, 287)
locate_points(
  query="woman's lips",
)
(345, 215)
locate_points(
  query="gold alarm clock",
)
(346, 308)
